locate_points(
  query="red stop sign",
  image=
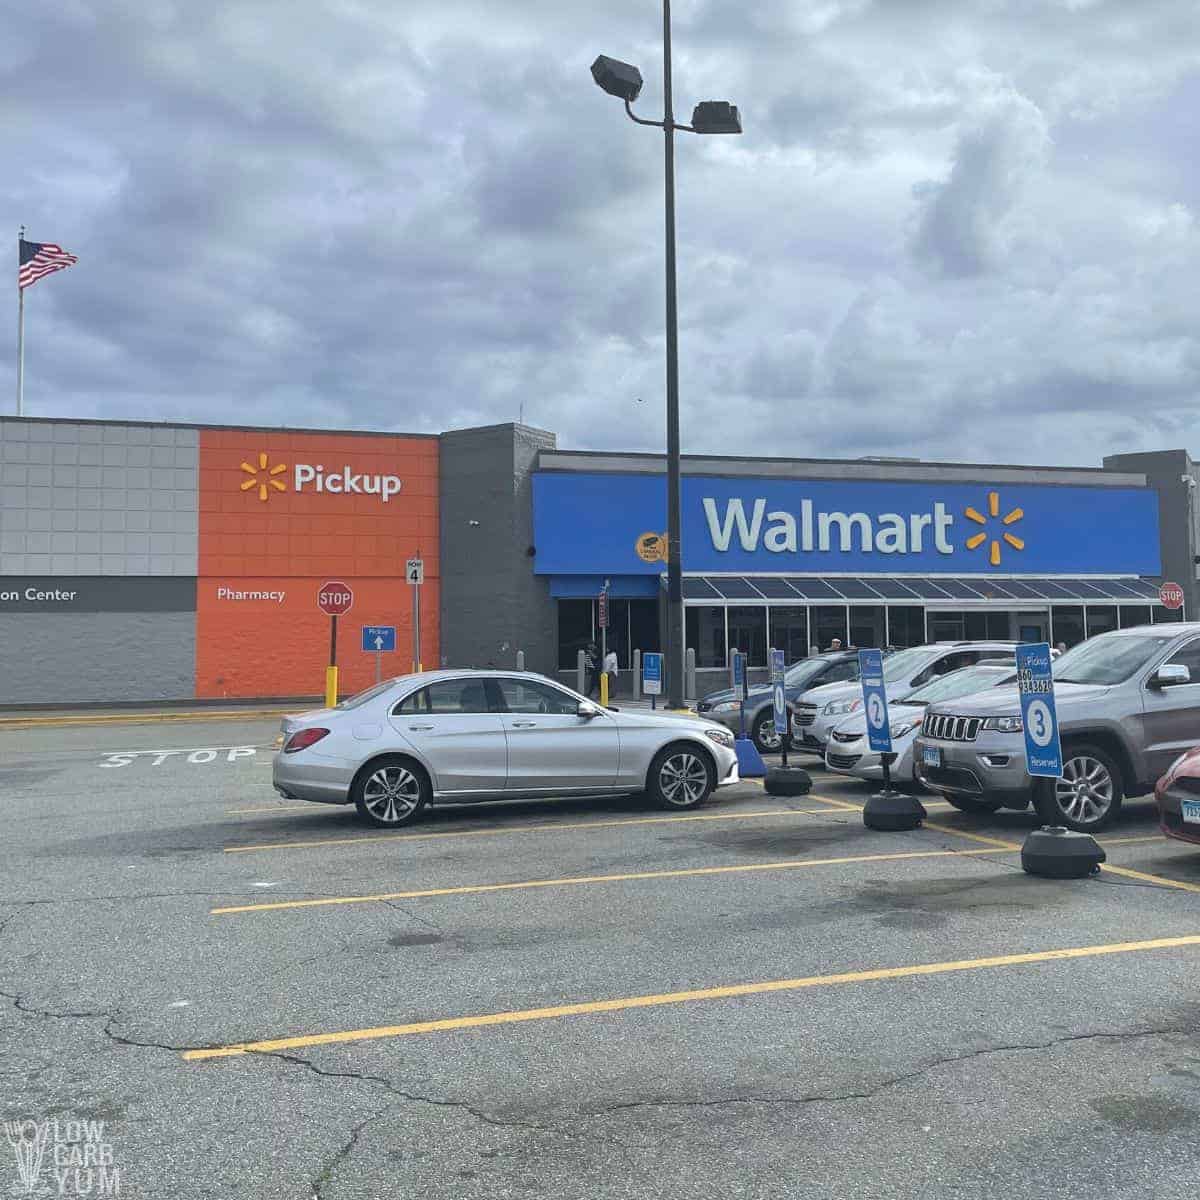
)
(335, 598)
(1171, 594)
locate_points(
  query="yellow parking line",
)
(665, 998)
(574, 880)
(496, 832)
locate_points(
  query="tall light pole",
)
(712, 116)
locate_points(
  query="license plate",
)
(931, 756)
(1191, 811)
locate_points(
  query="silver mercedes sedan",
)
(464, 736)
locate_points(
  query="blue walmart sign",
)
(591, 523)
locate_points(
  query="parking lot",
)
(262, 998)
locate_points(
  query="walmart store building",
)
(147, 561)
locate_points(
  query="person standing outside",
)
(592, 662)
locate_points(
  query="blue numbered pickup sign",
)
(875, 705)
(778, 691)
(652, 673)
(1035, 682)
(379, 639)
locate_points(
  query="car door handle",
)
(417, 728)
(524, 724)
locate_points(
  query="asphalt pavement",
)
(261, 998)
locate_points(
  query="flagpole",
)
(20, 328)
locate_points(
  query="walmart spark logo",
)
(263, 477)
(1011, 518)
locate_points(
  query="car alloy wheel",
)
(683, 779)
(1086, 790)
(766, 736)
(391, 794)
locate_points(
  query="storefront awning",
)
(875, 589)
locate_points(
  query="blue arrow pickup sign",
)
(379, 639)
(875, 705)
(1035, 682)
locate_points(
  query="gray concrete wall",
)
(492, 603)
(80, 499)
(1164, 471)
(82, 657)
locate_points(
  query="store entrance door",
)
(1031, 627)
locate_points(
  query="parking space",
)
(581, 998)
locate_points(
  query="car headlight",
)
(726, 706)
(898, 731)
(837, 708)
(1004, 724)
(721, 736)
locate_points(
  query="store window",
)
(1164, 615)
(1067, 620)
(643, 625)
(748, 633)
(828, 622)
(1133, 615)
(574, 631)
(1101, 618)
(866, 625)
(906, 626)
(705, 631)
(970, 625)
(789, 631)
(947, 626)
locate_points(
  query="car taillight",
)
(303, 738)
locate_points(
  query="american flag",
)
(41, 258)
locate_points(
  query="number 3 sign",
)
(1035, 682)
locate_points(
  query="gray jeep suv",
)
(1128, 705)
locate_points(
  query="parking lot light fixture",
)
(624, 81)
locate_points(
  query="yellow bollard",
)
(603, 689)
(331, 687)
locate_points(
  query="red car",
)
(1178, 796)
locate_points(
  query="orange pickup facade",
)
(282, 513)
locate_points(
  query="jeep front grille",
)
(947, 728)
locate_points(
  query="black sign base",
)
(890, 811)
(1055, 852)
(787, 781)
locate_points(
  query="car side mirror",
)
(1170, 675)
(587, 710)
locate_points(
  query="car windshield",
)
(804, 670)
(1109, 658)
(960, 683)
(906, 662)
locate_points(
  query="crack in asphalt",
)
(18, 1000)
(325, 1175)
(894, 1081)
(386, 1084)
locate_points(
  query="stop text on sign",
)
(1171, 594)
(335, 598)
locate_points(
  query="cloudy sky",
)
(958, 229)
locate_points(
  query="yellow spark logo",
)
(263, 477)
(1011, 518)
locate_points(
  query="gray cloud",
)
(953, 229)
